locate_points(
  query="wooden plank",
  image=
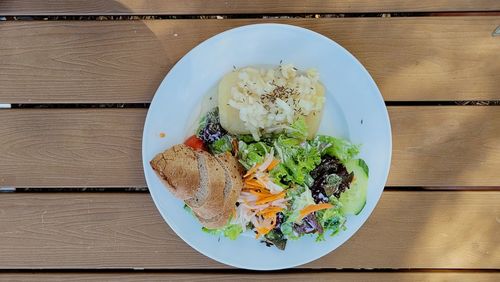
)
(124, 230)
(101, 147)
(432, 146)
(71, 147)
(287, 276)
(411, 59)
(196, 7)
(445, 146)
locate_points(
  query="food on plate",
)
(261, 101)
(257, 164)
(209, 185)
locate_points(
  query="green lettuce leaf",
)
(287, 230)
(251, 154)
(247, 138)
(297, 159)
(276, 238)
(281, 173)
(332, 219)
(335, 147)
(301, 197)
(298, 129)
(231, 231)
(224, 144)
(211, 231)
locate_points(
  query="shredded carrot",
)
(254, 183)
(260, 194)
(251, 170)
(271, 198)
(269, 215)
(273, 164)
(250, 184)
(271, 222)
(271, 209)
(261, 182)
(312, 208)
(250, 188)
(274, 221)
(267, 225)
(261, 231)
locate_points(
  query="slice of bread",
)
(232, 190)
(178, 169)
(233, 172)
(209, 184)
(202, 191)
(209, 199)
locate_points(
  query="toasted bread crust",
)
(177, 167)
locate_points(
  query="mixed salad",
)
(293, 186)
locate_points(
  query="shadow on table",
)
(95, 61)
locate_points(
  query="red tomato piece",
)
(195, 143)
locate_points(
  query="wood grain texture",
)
(432, 146)
(196, 7)
(124, 230)
(411, 59)
(291, 276)
(84, 148)
(445, 146)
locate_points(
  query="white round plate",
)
(354, 110)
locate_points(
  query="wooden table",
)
(79, 92)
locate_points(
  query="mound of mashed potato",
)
(266, 100)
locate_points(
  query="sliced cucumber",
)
(354, 199)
